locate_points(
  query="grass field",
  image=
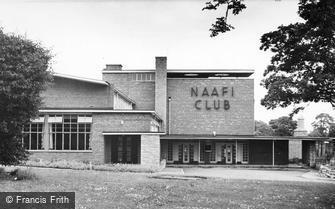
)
(99, 190)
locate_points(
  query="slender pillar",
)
(235, 151)
(273, 152)
(199, 151)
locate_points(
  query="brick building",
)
(144, 116)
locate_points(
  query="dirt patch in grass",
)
(99, 189)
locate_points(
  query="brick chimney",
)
(161, 89)
(300, 130)
(113, 67)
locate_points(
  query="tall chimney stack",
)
(161, 89)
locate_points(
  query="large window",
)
(32, 136)
(70, 132)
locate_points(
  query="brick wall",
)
(150, 150)
(186, 119)
(295, 149)
(77, 94)
(61, 155)
(134, 122)
(142, 92)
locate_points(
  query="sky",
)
(85, 35)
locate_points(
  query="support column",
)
(150, 150)
(273, 152)
(46, 138)
(235, 151)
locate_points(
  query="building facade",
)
(145, 116)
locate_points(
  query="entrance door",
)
(185, 152)
(229, 153)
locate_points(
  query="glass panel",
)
(40, 127)
(81, 127)
(81, 141)
(33, 127)
(59, 141)
(59, 127)
(66, 141)
(39, 141)
(73, 141)
(88, 127)
(170, 151)
(67, 118)
(73, 127)
(66, 127)
(33, 141)
(74, 118)
(88, 142)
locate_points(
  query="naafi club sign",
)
(210, 97)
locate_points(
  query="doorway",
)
(185, 153)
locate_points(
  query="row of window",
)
(143, 76)
(66, 132)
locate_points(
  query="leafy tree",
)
(221, 24)
(322, 124)
(262, 129)
(283, 126)
(24, 73)
(302, 68)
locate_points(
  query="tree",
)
(262, 129)
(302, 68)
(221, 24)
(283, 126)
(24, 73)
(322, 124)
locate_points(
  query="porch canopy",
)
(241, 137)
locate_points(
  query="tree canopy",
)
(283, 126)
(302, 68)
(24, 73)
(322, 125)
(262, 129)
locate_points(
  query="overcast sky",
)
(85, 35)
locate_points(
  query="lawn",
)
(101, 189)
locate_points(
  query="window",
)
(245, 152)
(144, 76)
(170, 152)
(70, 132)
(32, 136)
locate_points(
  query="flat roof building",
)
(144, 116)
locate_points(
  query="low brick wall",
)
(79, 156)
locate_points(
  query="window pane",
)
(81, 127)
(74, 118)
(73, 141)
(33, 127)
(59, 127)
(40, 127)
(66, 118)
(81, 141)
(33, 141)
(66, 127)
(88, 127)
(39, 141)
(73, 127)
(59, 141)
(88, 141)
(148, 77)
(66, 141)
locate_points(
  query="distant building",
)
(144, 116)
